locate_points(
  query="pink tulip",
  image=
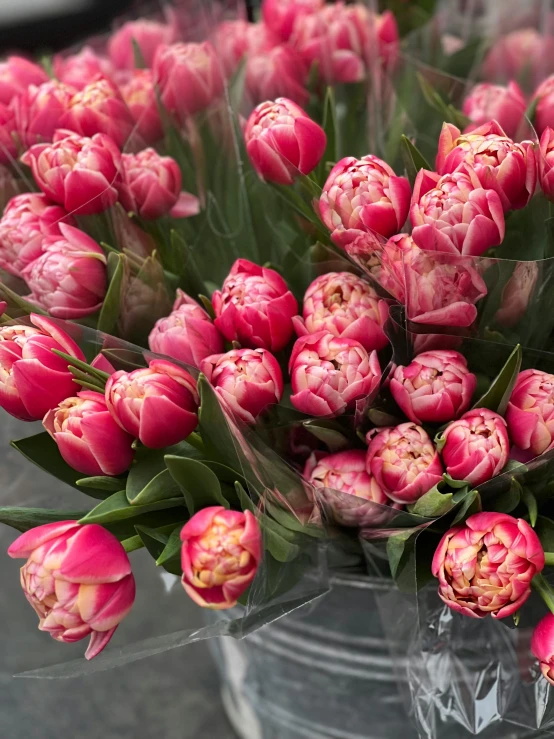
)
(77, 172)
(77, 70)
(247, 380)
(69, 279)
(87, 436)
(148, 35)
(99, 108)
(517, 293)
(280, 15)
(16, 74)
(329, 374)
(530, 413)
(235, 39)
(487, 102)
(542, 646)
(521, 54)
(3, 306)
(139, 95)
(546, 163)
(485, 565)
(189, 77)
(455, 214)
(255, 307)
(364, 195)
(346, 306)
(544, 102)
(441, 288)
(507, 168)
(436, 387)
(220, 555)
(157, 405)
(476, 447)
(9, 136)
(78, 579)
(27, 221)
(150, 184)
(404, 462)
(390, 272)
(282, 141)
(277, 73)
(39, 110)
(187, 334)
(32, 378)
(346, 473)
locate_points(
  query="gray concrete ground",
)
(171, 696)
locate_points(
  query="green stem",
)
(549, 558)
(132, 544)
(195, 440)
(544, 590)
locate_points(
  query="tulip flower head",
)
(546, 162)
(40, 110)
(279, 72)
(247, 380)
(77, 70)
(365, 195)
(255, 307)
(436, 387)
(220, 554)
(157, 405)
(282, 141)
(32, 378)
(542, 646)
(544, 105)
(329, 374)
(16, 75)
(235, 39)
(525, 52)
(139, 95)
(485, 566)
(280, 15)
(507, 168)
(476, 447)
(151, 184)
(530, 412)
(504, 104)
(78, 579)
(346, 306)
(148, 35)
(87, 436)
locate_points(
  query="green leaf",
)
(531, 504)
(43, 451)
(413, 159)
(111, 307)
(137, 55)
(208, 307)
(214, 428)
(456, 484)
(172, 548)
(470, 503)
(544, 529)
(148, 478)
(433, 504)
(396, 547)
(328, 433)
(118, 508)
(156, 541)
(507, 500)
(198, 483)
(497, 396)
(85, 368)
(109, 484)
(276, 542)
(24, 519)
(24, 305)
(290, 522)
(330, 127)
(245, 500)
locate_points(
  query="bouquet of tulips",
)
(283, 305)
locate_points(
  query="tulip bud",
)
(16, 75)
(282, 141)
(544, 105)
(517, 293)
(39, 110)
(139, 95)
(485, 565)
(234, 39)
(542, 646)
(157, 405)
(404, 462)
(247, 380)
(389, 273)
(220, 555)
(476, 447)
(502, 166)
(455, 214)
(3, 306)
(99, 108)
(346, 306)
(280, 15)
(27, 221)
(530, 413)
(32, 378)
(78, 579)
(148, 35)
(328, 374)
(9, 136)
(76, 172)
(151, 184)
(255, 307)
(523, 53)
(546, 163)
(277, 73)
(69, 279)
(187, 334)
(87, 436)
(77, 70)
(436, 387)
(365, 195)
(189, 77)
(346, 473)
(487, 102)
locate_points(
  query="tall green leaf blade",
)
(118, 508)
(198, 483)
(497, 396)
(111, 307)
(23, 519)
